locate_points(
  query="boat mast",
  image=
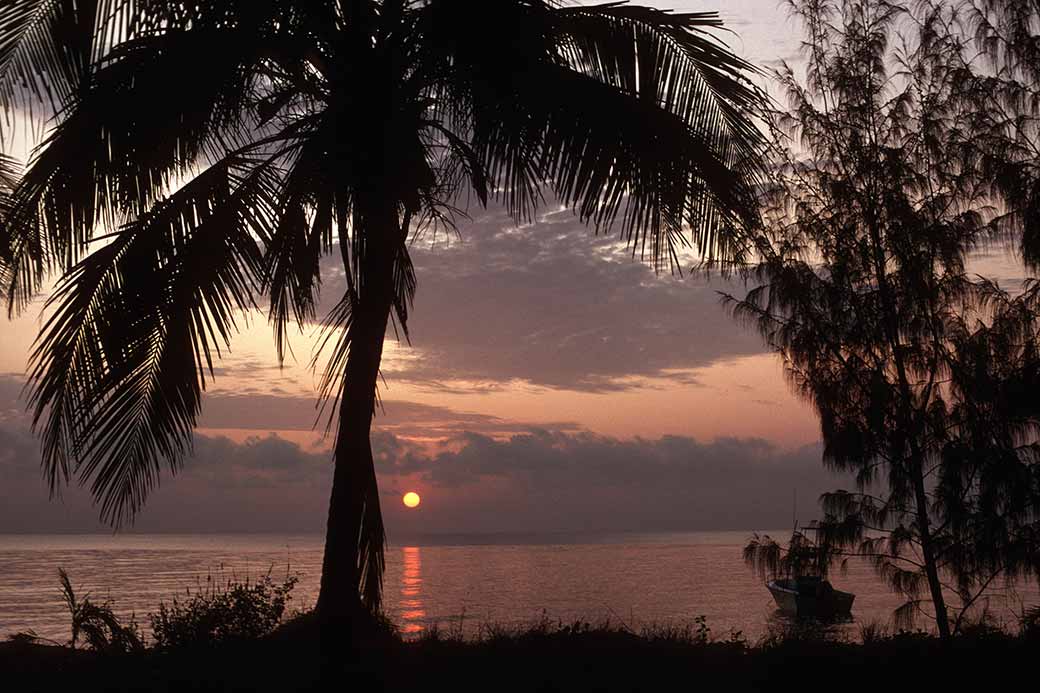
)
(794, 510)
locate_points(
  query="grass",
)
(545, 656)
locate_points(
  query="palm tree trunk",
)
(354, 513)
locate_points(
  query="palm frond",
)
(9, 171)
(47, 49)
(372, 545)
(662, 64)
(308, 211)
(626, 113)
(336, 334)
(673, 60)
(8, 181)
(118, 371)
(106, 158)
(668, 185)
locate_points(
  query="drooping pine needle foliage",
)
(188, 156)
(803, 555)
(1007, 33)
(921, 374)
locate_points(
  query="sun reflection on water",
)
(412, 607)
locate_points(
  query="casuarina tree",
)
(1006, 77)
(917, 369)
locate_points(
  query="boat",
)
(810, 597)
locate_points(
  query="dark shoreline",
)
(571, 658)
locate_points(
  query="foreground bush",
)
(96, 624)
(234, 611)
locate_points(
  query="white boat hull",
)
(810, 602)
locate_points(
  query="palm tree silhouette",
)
(197, 155)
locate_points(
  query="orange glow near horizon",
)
(741, 397)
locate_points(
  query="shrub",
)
(234, 611)
(802, 632)
(982, 626)
(99, 627)
(873, 633)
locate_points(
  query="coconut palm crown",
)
(194, 159)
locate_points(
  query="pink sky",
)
(549, 378)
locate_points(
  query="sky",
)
(553, 383)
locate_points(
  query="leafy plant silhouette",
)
(922, 374)
(233, 611)
(95, 624)
(195, 156)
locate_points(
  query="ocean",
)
(468, 583)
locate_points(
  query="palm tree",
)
(198, 154)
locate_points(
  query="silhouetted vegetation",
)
(1007, 110)
(212, 614)
(192, 158)
(95, 624)
(219, 613)
(922, 374)
(546, 656)
(802, 556)
(222, 148)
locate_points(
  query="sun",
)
(411, 499)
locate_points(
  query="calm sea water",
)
(638, 580)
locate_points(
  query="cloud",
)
(536, 481)
(553, 305)
(12, 405)
(16, 447)
(222, 410)
(559, 481)
(262, 484)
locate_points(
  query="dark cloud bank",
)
(534, 481)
